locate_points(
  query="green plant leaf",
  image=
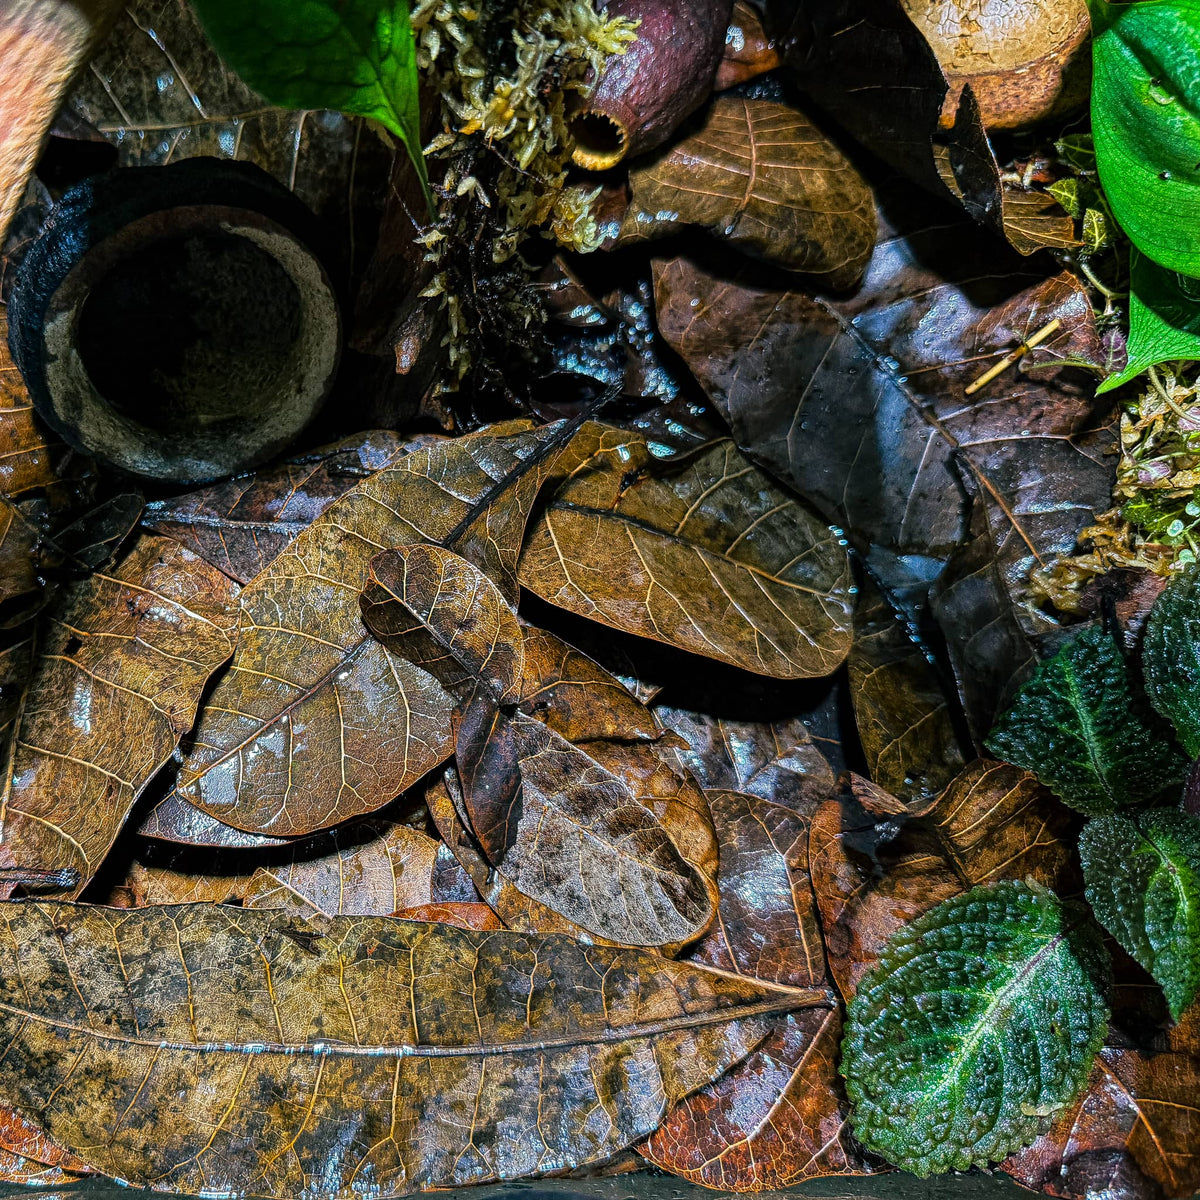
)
(1171, 657)
(1143, 883)
(356, 56)
(978, 1024)
(1075, 726)
(1164, 319)
(1146, 123)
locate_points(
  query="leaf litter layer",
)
(448, 807)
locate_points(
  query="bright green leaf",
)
(356, 56)
(978, 1024)
(1143, 883)
(1171, 657)
(1146, 123)
(1076, 727)
(1164, 319)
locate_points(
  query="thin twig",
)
(1007, 361)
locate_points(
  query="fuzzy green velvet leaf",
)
(1076, 727)
(1143, 883)
(977, 1026)
(1171, 657)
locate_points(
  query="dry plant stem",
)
(1008, 360)
(42, 44)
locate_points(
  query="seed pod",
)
(645, 94)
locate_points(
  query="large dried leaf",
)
(315, 721)
(348, 1050)
(994, 822)
(904, 718)
(158, 91)
(173, 819)
(705, 553)
(125, 659)
(576, 836)
(444, 614)
(241, 525)
(368, 868)
(762, 176)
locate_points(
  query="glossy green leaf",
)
(1171, 657)
(355, 56)
(1146, 123)
(1076, 727)
(1143, 883)
(976, 1027)
(1164, 319)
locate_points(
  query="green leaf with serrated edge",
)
(1146, 123)
(1075, 726)
(355, 56)
(1164, 319)
(1171, 657)
(1143, 883)
(977, 1026)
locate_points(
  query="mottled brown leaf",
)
(122, 666)
(367, 868)
(18, 570)
(704, 553)
(443, 613)
(994, 821)
(348, 1051)
(241, 525)
(780, 1116)
(315, 721)
(1035, 221)
(173, 819)
(748, 50)
(1133, 1131)
(30, 456)
(763, 177)
(577, 834)
(464, 916)
(904, 720)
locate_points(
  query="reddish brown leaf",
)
(122, 668)
(763, 177)
(464, 916)
(748, 50)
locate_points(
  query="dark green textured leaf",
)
(1146, 123)
(1143, 881)
(1171, 657)
(1074, 725)
(356, 56)
(1164, 319)
(976, 1027)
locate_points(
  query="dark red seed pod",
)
(645, 94)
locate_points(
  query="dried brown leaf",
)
(348, 1049)
(763, 177)
(704, 553)
(118, 679)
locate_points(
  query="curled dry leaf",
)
(367, 868)
(867, 65)
(1025, 61)
(901, 708)
(993, 822)
(704, 553)
(28, 1157)
(173, 819)
(130, 650)
(316, 722)
(763, 177)
(349, 1049)
(444, 614)
(241, 525)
